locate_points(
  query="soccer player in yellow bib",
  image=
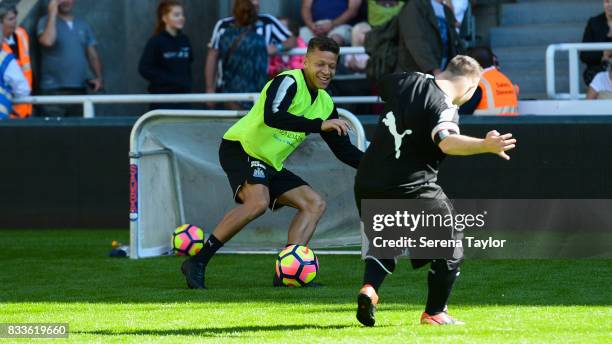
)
(253, 150)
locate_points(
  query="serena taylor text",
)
(424, 242)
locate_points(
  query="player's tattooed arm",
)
(494, 143)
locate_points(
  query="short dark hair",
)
(462, 65)
(5, 9)
(323, 44)
(244, 12)
(483, 55)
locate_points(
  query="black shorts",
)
(242, 168)
(428, 191)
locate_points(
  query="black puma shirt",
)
(405, 152)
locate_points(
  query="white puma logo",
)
(389, 121)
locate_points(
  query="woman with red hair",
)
(167, 57)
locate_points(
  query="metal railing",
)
(574, 67)
(88, 101)
(343, 51)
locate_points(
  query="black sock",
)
(208, 251)
(374, 274)
(440, 282)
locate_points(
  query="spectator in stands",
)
(280, 63)
(459, 7)
(358, 62)
(331, 18)
(68, 46)
(601, 86)
(243, 42)
(17, 42)
(12, 83)
(598, 29)
(381, 11)
(167, 57)
(427, 37)
(495, 95)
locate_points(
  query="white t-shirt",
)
(438, 9)
(14, 78)
(602, 82)
(460, 7)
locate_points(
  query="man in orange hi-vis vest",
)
(17, 42)
(496, 95)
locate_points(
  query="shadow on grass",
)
(72, 267)
(489, 283)
(238, 331)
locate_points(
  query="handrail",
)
(89, 100)
(574, 67)
(343, 51)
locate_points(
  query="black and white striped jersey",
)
(273, 31)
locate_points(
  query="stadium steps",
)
(527, 28)
(529, 61)
(536, 35)
(541, 13)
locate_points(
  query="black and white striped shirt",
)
(266, 25)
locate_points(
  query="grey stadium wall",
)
(74, 173)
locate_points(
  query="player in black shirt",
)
(419, 128)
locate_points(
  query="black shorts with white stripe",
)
(242, 168)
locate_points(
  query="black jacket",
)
(166, 63)
(420, 45)
(596, 31)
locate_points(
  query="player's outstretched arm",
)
(340, 126)
(494, 143)
(335, 133)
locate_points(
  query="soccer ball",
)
(297, 265)
(187, 240)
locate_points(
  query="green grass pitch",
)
(65, 276)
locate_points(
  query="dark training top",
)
(278, 100)
(166, 63)
(405, 152)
